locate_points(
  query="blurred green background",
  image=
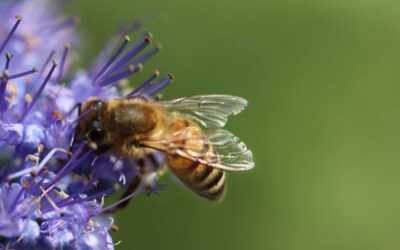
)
(323, 83)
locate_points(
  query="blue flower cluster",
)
(51, 190)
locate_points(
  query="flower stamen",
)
(112, 59)
(130, 71)
(22, 74)
(160, 85)
(131, 54)
(52, 203)
(145, 84)
(110, 207)
(26, 111)
(3, 86)
(37, 168)
(11, 33)
(143, 58)
(63, 59)
(9, 56)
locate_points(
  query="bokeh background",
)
(323, 82)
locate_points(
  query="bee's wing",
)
(233, 155)
(229, 153)
(209, 111)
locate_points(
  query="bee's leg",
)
(76, 106)
(158, 97)
(132, 187)
(162, 169)
(73, 141)
(149, 176)
(103, 148)
(144, 177)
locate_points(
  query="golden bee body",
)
(206, 181)
(133, 128)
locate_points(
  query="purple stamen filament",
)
(90, 197)
(125, 60)
(145, 84)
(143, 58)
(114, 78)
(28, 72)
(3, 85)
(112, 59)
(39, 167)
(161, 84)
(83, 189)
(71, 165)
(63, 59)
(34, 100)
(124, 199)
(14, 204)
(19, 19)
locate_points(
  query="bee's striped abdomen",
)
(206, 181)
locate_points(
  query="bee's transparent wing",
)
(233, 155)
(209, 111)
(229, 153)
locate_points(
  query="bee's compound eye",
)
(98, 106)
(96, 134)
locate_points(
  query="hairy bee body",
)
(125, 123)
(206, 181)
(188, 131)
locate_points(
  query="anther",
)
(28, 98)
(35, 159)
(149, 39)
(26, 184)
(40, 149)
(12, 91)
(115, 228)
(9, 56)
(58, 114)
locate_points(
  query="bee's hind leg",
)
(131, 188)
(144, 178)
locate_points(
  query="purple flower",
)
(45, 30)
(51, 191)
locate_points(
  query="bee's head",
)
(91, 125)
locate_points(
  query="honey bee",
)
(188, 131)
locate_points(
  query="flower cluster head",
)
(52, 189)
